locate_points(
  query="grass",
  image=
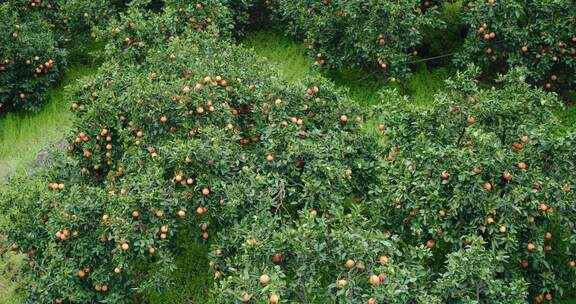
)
(289, 59)
(191, 282)
(9, 266)
(23, 135)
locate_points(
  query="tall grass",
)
(191, 282)
(23, 135)
(9, 267)
(289, 58)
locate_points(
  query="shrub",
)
(483, 162)
(538, 35)
(154, 148)
(83, 16)
(31, 58)
(474, 274)
(139, 31)
(327, 255)
(381, 34)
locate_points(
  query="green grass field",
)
(289, 58)
(9, 265)
(23, 135)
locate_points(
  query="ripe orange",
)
(277, 259)
(205, 191)
(374, 280)
(350, 264)
(525, 139)
(383, 259)
(360, 266)
(341, 283)
(264, 279)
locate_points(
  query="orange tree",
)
(139, 31)
(34, 34)
(539, 35)
(303, 195)
(475, 177)
(30, 57)
(383, 35)
(156, 144)
(483, 162)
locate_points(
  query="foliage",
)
(341, 33)
(538, 35)
(301, 194)
(483, 162)
(472, 276)
(83, 16)
(139, 32)
(217, 106)
(31, 59)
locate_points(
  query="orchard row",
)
(303, 195)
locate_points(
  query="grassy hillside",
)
(23, 135)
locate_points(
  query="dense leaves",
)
(539, 35)
(376, 34)
(483, 162)
(30, 57)
(302, 195)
